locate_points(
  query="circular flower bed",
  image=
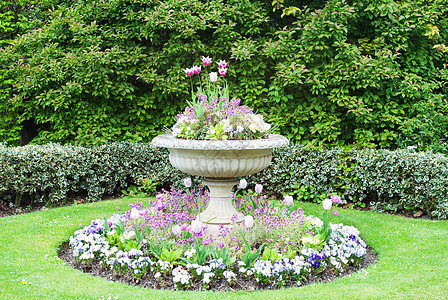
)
(164, 245)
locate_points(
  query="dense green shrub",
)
(49, 172)
(16, 17)
(369, 72)
(388, 180)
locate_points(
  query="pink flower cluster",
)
(222, 65)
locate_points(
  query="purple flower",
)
(335, 213)
(258, 188)
(205, 242)
(160, 205)
(234, 218)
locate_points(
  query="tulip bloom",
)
(196, 226)
(248, 221)
(336, 199)
(196, 69)
(327, 204)
(135, 214)
(187, 182)
(176, 230)
(189, 72)
(222, 72)
(243, 183)
(258, 188)
(288, 200)
(222, 64)
(206, 60)
(213, 76)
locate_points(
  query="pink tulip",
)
(222, 64)
(258, 188)
(206, 60)
(205, 241)
(336, 199)
(222, 72)
(189, 72)
(196, 69)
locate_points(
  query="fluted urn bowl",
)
(220, 162)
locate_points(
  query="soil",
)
(241, 283)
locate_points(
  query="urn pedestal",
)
(220, 162)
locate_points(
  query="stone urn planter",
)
(220, 162)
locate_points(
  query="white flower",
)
(187, 182)
(243, 183)
(177, 131)
(190, 253)
(213, 76)
(196, 226)
(135, 213)
(248, 221)
(176, 230)
(229, 275)
(128, 235)
(207, 277)
(288, 200)
(253, 127)
(327, 204)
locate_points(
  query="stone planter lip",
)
(169, 141)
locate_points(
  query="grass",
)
(413, 260)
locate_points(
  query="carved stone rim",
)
(169, 141)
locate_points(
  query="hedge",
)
(387, 180)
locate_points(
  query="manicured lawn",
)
(413, 260)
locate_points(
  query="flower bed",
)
(275, 246)
(213, 115)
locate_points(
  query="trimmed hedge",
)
(387, 180)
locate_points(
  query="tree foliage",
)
(363, 72)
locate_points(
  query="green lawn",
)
(413, 260)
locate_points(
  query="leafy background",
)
(364, 73)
